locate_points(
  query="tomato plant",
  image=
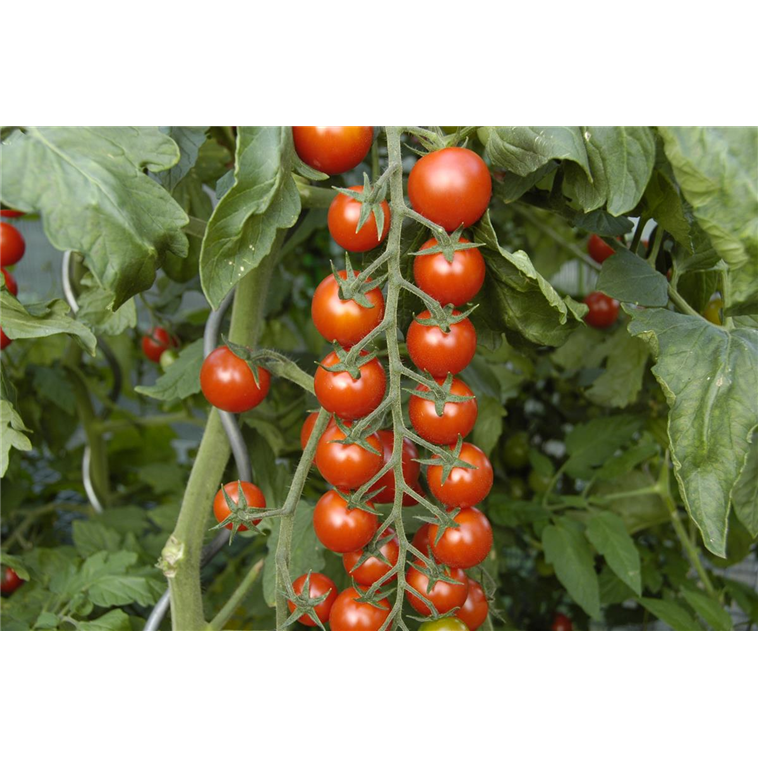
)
(339, 528)
(345, 321)
(441, 352)
(332, 149)
(346, 465)
(445, 595)
(343, 218)
(451, 187)
(349, 398)
(603, 310)
(252, 495)
(156, 342)
(228, 382)
(373, 569)
(465, 545)
(456, 282)
(350, 614)
(319, 585)
(464, 487)
(12, 244)
(457, 418)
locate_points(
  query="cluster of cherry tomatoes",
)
(603, 310)
(12, 249)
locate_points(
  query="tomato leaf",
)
(709, 610)
(607, 533)
(181, 380)
(245, 222)
(620, 383)
(96, 312)
(90, 186)
(629, 278)
(115, 620)
(708, 376)
(12, 435)
(189, 140)
(489, 423)
(671, 613)
(567, 550)
(745, 493)
(590, 444)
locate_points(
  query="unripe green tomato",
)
(516, 450)
(516, 488)
(712, 311)
(167, 359)
(444, 624)
(537, 483)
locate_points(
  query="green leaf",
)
(671, 613)
(663, 203)
(489, 423)
(245, 222)
(189, 140)
(744, 596)
(182, 379)
(41, 320)
(95, 311)
(11, 561)
(612, 590)
(514, 186)
(94, 196)
(708, 376)
(590, 444)
(620, 160)
(12, 428)
(629, 278)
(568, 552)
(638, 511)
(620, 383)
(115, 620)
(163, 478)
(745, 493)
(53, 384)
(608, 535)
(626, 461)
(105, 578)
(709, 610)
(91, 536)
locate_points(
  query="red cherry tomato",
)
(561, 623)
(156, 342)
(10, 282)
(411, 468)
(451, 187)
(253, 495)
(373, 569)
(346, 397)
(350, 615)
(307, 429)
(474, 611)
(4, 340)
(339, 529)
(465, 546)
(443, 596)
(598, 249)
(347, 466)
(332, 149)
(432, 350)
(458, 418)
(603, 310)
(464, 487)
(12, 245)
(228, 382)
(10, 582)
(319, 585)
(421, 539)
(7, 213)
(342, 219)
(457, 282)
(344, 321)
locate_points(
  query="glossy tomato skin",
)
(253, 495)
(464, 487)
(458, 418)
(562, 623)
(712, 311)
(451, 187)
(344, 321)
(373, 569)
(346, 466)
(342, 219)
(349, 615)
(228, 382)
(10, 282)
(339, 529)
(411, 468)
(346, 397)
(432, 350)
(457, 282)
(307, 429)
(603, 310)
(421, 539)
(443, 596)
(7, 213)
(465, 546)
(474, 611)
(10, 582)
(598, 249)
(156, 342)
(4, 340)
(318, 586)
(332, 149)
(12, 244)
(443, 624)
